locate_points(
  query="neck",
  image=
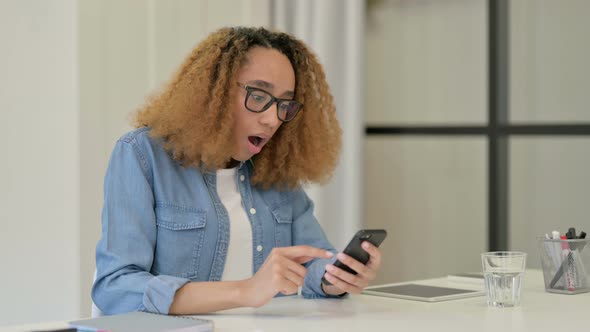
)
(232, 163)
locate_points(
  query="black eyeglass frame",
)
(273, 99)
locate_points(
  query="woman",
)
(203, 206)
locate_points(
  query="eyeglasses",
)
(258, 101)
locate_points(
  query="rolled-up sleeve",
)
(125, 252)
(307, 231)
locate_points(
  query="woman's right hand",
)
(281, 272)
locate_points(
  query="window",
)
(477, 129)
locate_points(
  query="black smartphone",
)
(354, 249)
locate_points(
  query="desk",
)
(539, 311)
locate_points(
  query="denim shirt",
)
(164, 225)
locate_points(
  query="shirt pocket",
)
(179, 240)
(283, 217)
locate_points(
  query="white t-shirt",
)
(238, 263)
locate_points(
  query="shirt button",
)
(252, 211)
(259, 248)
(242, 178)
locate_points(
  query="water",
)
(503, 289)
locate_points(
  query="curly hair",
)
(191, 113)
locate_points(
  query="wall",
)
(39, 137)
(72, 73)
(334, 30)
(549, 84)
(128, 49)
(426, 64)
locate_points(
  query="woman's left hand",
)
(343, 281)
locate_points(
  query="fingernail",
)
(329, 267)
(365, 245)
(329, 254)
(341, 256)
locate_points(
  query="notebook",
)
(426, 293)
(143, 322)
(470, 277)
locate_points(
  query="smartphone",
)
(354, 249)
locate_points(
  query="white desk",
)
(539, 311)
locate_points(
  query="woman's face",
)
(271, 71)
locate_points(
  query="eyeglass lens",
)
(259, 101)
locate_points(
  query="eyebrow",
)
(269, 86)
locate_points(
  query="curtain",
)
(334, 30)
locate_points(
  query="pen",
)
(556, 236)
(578, 258)
(549, 248)
(568, 260)
(556, 248)
(571, 233)
(562, 267)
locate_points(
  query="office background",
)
(72, 71)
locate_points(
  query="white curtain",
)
(334, 30)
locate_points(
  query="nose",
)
(270, 117)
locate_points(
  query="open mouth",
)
(255, 140)
(255, 143)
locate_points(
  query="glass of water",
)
(503, 273)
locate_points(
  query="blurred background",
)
(466, 126)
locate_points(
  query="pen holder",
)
(566, 264)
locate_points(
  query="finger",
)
(286, 263)
(357, 266)
(280, 253)
(294, 267)
(304, 252)
(368, 271)
(340, 284)
(289, 291)
(293, 277)
(303, 260)
(287, 286)
(349, 278)
(281, 281)
(374, 253)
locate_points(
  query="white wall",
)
(548, 191)
(426, 64)
(430, 194)
(334, 29)
(39, 137)
(127, 50)
(549, 61)
(549, 83)
(72, 72)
